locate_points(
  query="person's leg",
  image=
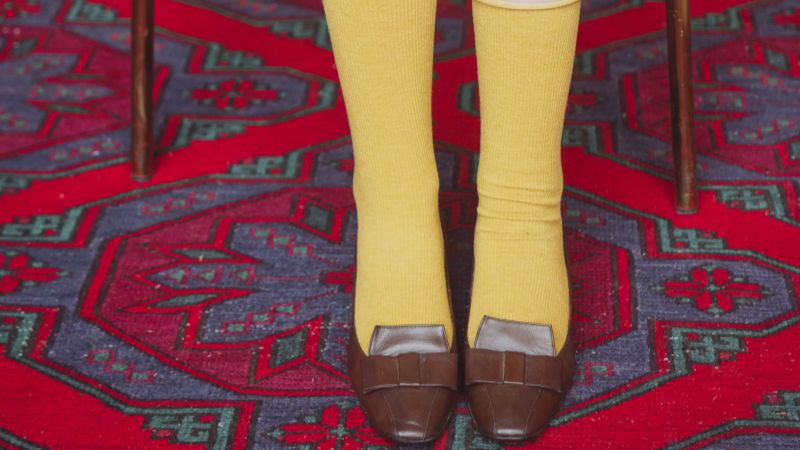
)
(525, 51)
(383, 51)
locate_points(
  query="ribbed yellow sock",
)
(384, 55)
(525, 59)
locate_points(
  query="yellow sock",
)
(384, 55)
(525, 59)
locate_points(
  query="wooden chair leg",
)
(682, 100)
(142, 147)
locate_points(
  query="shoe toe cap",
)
(511, 412)
(410, 414)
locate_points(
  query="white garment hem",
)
(527, 4)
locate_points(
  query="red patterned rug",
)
(209, 307)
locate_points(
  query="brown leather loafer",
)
(408, 383)
(514, 381)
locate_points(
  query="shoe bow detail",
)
(495, 367)
(410, 370)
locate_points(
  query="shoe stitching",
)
(430, 412)
(391, 414)
(491, 408)
(530, 411)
